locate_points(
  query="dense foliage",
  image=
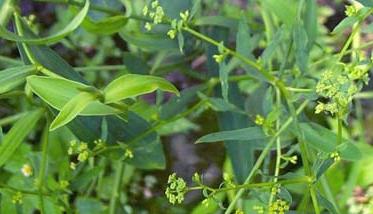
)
(96, 97)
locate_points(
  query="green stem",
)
(262, 156)
(81, 4)
(339, 133)
(116, 188)
(278, 147)
(303, 179)
(355, 30)
(42, 172)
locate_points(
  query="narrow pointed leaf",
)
(72, 109)
(57, 92)
(132, 85)
(74, 24)
(17, 134)
(106, 26)
(251, 133)
(12, 77)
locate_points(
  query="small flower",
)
(278, 207)
(83, 156)
(259, 120)
(26, 170)
(239, 212)
(184, 16)
(148, 26)
(205, 202)
(64, 184)
(72, 165)
(145, 10)
(128, 153)
(176, 189)
(219, 58)
(293, 159)
(351, 10)
(172, 33)
(155, 4)
(17, 198)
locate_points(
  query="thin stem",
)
(270, 78)
(355, 30)
(339, 133)
(303, 179)
(116, 187)
(81, 4)
(278, 147)
(42, 172)
(262, 156)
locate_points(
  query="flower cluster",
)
(81, 150)
(259, 120)
(176, 25)
(17, 198)
(176, 189)
(339, 86)
(351, 10)
(219, 58)
(155, 12)
(335, 156)
(278, 207)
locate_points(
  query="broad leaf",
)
(132, 85)
(71, 109)
(74, 24)
(12, 77)
(17, 134)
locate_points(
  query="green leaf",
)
(57, 92)
(177, 104)
(285, 10)
(349, 151)
(318, 137)
(323, 139)
(71, 109)
(132, 85)
(310, 21)
(223, 77)
(74, 24)
(250, 133)
(366, 3)
(89, 205)
(300, 45)
(321, 166)
(12, 77)
(220, 21)
(106, 26)
(151, 42)
(17, 134)
(326, 203)
(345, 23)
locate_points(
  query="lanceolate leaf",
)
(72, 109)
(12, 77)
(58, 91)
(251, 133)
(17, 134)
(106, 26)
(132, 85)
(74, 24)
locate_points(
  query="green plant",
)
(283, 97)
